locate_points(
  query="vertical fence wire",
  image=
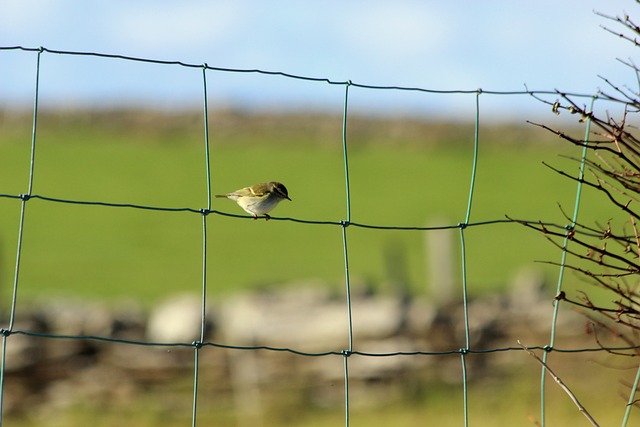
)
(34, 130)
(563, 260)
(3, 360)
(476, 137)
(344, 224)
(205, 213)
(197, 346)
(207, 151)
(345, 151)
(464, 351)
(24, 198)
(196, 369)
(463, 251)
(632, 399)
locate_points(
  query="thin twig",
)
(635, 232)
(561, 384)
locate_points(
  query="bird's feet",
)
(266, 217)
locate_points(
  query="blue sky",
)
(493, 45)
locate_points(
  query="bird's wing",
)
(258, 190)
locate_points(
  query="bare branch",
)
(624, 207)
(612, 258)
(561, 384)
(614, 332)
(635, 232)
(620, 311)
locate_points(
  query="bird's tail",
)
(221, 196)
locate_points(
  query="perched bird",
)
(259, 199)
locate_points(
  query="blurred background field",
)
(402, 172)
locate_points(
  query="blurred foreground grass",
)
(506, 399)
(402, 172)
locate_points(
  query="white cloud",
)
(28, 20)
(177, 25)
(395, 30)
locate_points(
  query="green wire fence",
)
(10, 331)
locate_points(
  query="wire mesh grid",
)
(9, 331)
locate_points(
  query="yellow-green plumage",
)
(259, 199)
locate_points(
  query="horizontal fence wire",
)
(545, 348)
(340, 223)
(294, 76)
(30, 197)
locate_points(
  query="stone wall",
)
(44, 373)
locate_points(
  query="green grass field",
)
(402, 173)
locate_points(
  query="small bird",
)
(259, 199)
